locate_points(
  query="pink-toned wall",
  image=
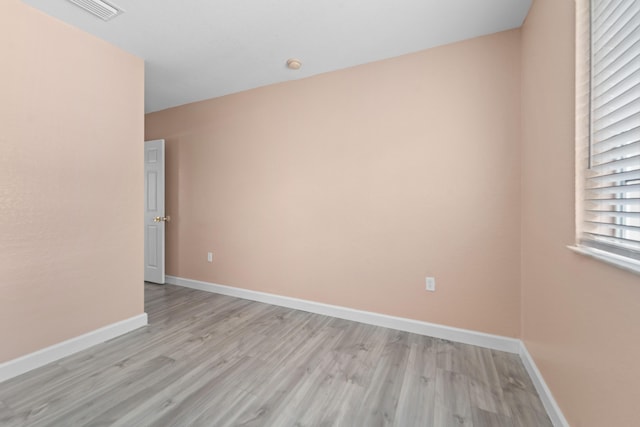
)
(350, 187)
(581, 318)
(71, 182)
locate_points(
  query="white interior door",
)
(155, 219)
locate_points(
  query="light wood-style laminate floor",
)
(213, 360)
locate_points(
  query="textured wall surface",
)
(71, 178)
(580, 316)
(350, 187)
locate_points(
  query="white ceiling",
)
(200, 49)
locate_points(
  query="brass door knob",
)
(162, 218)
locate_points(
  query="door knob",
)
(162, 218)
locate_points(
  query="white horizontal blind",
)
(612, 189)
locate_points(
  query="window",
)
(609, 155)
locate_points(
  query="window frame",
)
(609, 253)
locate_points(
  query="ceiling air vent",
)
(99, 8)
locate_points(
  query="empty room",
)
(331, 213)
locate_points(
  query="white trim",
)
(481, 339)
(465, 336)
(15, 367)
(550, 404)
(55, 352)
(613, 259)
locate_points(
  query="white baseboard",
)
(465, 336)
(550, 404)
(15, 367)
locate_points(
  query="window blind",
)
(611, 216)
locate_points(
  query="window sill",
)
(615, 260)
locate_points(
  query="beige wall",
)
(581, 318)
(349, 188)
(71, 126)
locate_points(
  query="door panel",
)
(154, 212)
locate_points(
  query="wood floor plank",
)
(452, 402)
(386, 381)
(213, 360)
(416, 403)
(284, 373)
(23, 388)
(486, 376)
(58, 412)
(6, 415)
(519, 392)
(208, 388)
(312, 398)
(483, 418)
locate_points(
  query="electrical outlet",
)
(210, 256)
(430, 284)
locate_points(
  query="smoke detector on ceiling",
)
(294, 64)
(99, 8)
